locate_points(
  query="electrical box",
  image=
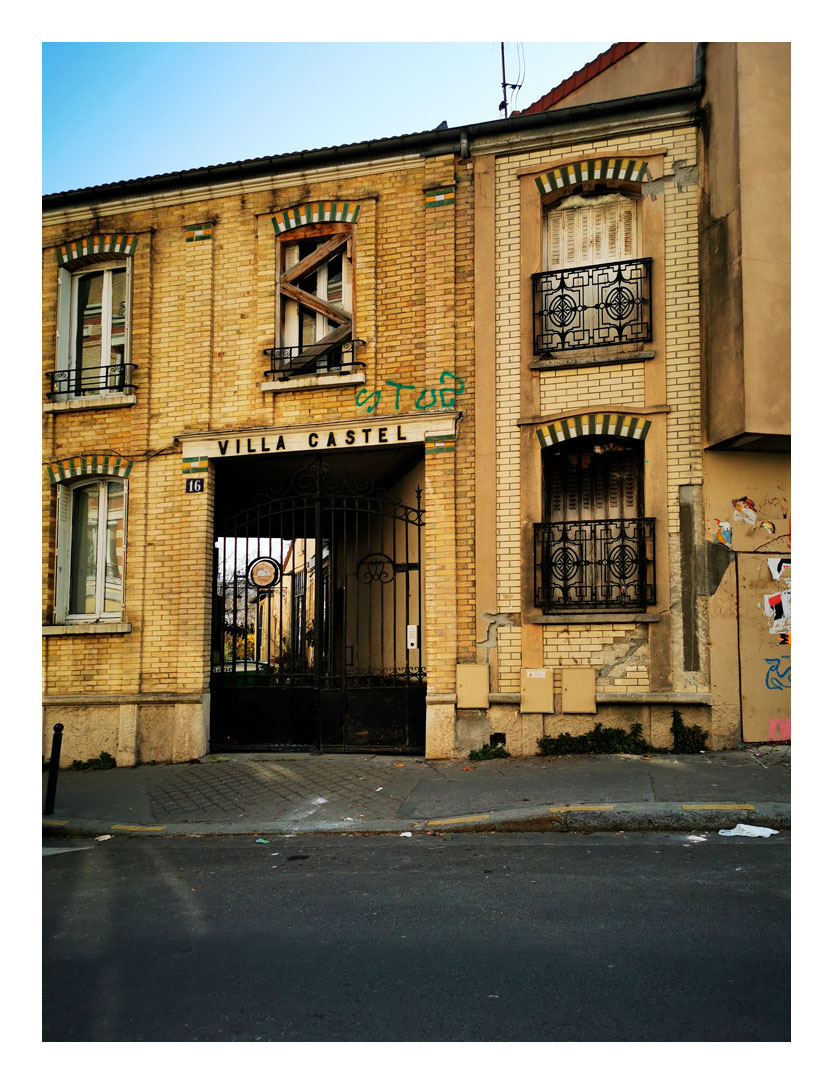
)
(410, 636)
(579, 689)
(472, 685)
(537, 689)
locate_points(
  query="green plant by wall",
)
(686, 739)
(103, 761)
(488, 753)
(600, 740)
(615, 740)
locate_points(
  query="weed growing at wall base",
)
(686, 739)
(103, 761)
(487, 753)
(616, 740)
(600, 740)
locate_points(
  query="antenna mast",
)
(505, 84)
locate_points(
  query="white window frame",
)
(63, 555)
(67, 338)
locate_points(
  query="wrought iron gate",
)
(317, 627)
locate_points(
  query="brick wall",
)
(624, 385)
(203, 312)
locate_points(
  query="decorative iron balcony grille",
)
(92, 381)
(599, 306)
(302, 361)
(587, 564)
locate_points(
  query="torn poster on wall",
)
(724, 533)
(779, 567)
(778, 609)
(745, 510)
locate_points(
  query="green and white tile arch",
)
(587, 425)
(592, 169)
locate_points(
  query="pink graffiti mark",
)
(780, 730)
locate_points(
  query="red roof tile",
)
(592, 69)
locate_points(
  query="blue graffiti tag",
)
(776, 679)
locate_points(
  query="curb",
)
(580, 818)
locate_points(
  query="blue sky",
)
(114, 111)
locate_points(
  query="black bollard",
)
(54, 758)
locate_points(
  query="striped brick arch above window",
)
(94, 464)
(592, 169)
(586, 425)
(97, 245)
(312, 214)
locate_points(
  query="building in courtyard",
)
(477, 434)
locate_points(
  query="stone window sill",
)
(583, 360)
(662, 697)
(595, 618)
(89, 403)
(295, 384)
(85, 628)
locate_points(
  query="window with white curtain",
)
(91, 550)
(93, 352)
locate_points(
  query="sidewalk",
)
(263, 793)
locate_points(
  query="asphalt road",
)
(495, 937)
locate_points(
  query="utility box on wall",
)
(472, 680)
(537, 689)
(579, 689)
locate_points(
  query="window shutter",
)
(592, 486)
(64, 499)
(593, 232)
(629, 232)
(63, 335)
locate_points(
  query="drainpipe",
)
(699, 77)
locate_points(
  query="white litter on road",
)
(697, 839)
(405, 834)
(748, 830)
(108, 836)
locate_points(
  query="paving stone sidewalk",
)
(307, 792)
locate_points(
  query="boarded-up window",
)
(315, 292)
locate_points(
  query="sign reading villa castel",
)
(360, 433)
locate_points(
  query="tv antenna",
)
(505, 84)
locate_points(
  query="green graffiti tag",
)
(449, 387)
(362, 397)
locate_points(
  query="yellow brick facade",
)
(203, 314)
(639, 666)
(448, 233)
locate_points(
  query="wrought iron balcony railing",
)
(598, 306)
(116, 379)
(594, 564)
(318, 358)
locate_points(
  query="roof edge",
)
(582, 76)
(456, 140)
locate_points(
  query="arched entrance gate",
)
(317, 621)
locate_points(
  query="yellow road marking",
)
(458, 821)
(717, 806)
(563, 809)
(51, 821)
(141, 828)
